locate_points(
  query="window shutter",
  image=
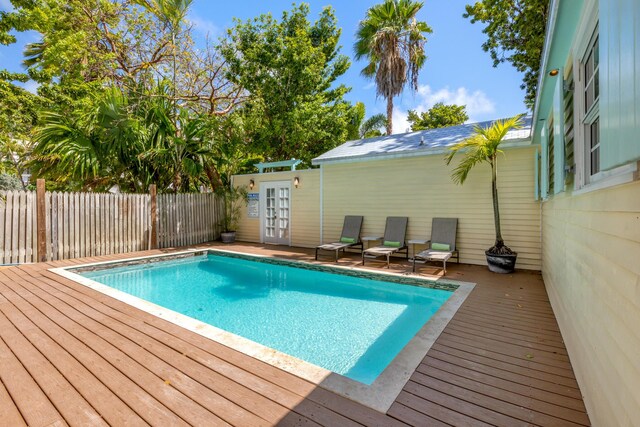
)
(551, 156)
(544, 169)
(536, 175)
(569, 153)
(558, 135)
(619, 75)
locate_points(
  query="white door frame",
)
(263, 205)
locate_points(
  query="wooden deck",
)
(72, 356)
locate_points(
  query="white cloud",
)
(478, 104)
(203, 26)
(400, 122)
(370, 86)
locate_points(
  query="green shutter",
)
(544, 170)
(569, 156)
(551, 157)
(558, 134)
(536, 175)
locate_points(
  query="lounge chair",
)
(350, 237)
(442, 245)
(395, 232)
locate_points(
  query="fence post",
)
(41, 220)
(154, 216)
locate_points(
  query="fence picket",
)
(15, 220)
(8, 226)
(22, 226)
(76, 225)
(32, 227)
(48, 237)
(94, 224)
(3, 206)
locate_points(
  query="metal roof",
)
(422, 142)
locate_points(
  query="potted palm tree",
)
(484, 146)
(234, 199)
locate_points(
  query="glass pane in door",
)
(270, 213)
(283, 214)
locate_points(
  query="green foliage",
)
(373, 125)
(18, 117)
(483, 147)
(125, 98)
(90, 45)
(289, 67)
(231, 151)
(10, 183)
(18, 112)
(392, 41)
(439, 116)
(235, 198)
(131, 140)
(360, 128)
(356, 117)
(515, 33)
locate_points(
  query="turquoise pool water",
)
(349, 325)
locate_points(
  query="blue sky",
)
(457, 69)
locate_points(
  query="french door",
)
(276, 213)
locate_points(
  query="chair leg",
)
(362, 257)
(388, 260)
(445, 266)
(337, 251)
(316, 254)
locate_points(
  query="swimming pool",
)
(345, 321)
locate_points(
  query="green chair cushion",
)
(392, 244)
(440, 247)
(347, 240)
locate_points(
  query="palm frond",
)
(482, 146)
(373, 123)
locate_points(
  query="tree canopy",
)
(392, 40)
(515, 32)
(289, 68)
(125, 96)
(439, 116)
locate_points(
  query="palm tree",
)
(392, 41)
(484, 146)
(371, 127)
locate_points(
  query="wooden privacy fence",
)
(44, 226)
(188, 219)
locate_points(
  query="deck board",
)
(71, 355)
(9, 412)
(152, 353)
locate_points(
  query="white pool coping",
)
(379, 395)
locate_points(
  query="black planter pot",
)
(228, 236)
(503, 264)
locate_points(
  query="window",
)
(591, 112)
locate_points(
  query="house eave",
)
(545, 59)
